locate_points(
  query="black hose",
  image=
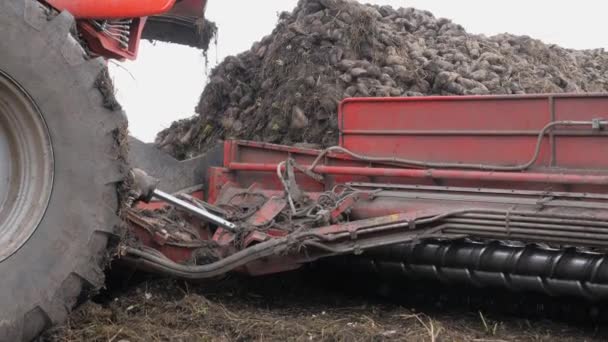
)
(165, 266)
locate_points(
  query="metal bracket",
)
(597, 124)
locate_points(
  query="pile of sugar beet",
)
(287, 88)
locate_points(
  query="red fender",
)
(113, 9)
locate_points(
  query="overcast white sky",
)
(164, 84)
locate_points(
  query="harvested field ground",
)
(294, 308)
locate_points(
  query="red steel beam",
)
(528, 177)
(112, 9)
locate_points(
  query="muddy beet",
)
(286, 89)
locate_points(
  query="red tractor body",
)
(113, 9)
(113, 29)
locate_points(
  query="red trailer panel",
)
(501, 130)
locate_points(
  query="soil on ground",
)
(294, 308)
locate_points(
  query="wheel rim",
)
(26, 166)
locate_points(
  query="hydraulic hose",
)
(423, 164)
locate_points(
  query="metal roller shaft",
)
(556, 272)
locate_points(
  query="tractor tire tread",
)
(33, 317)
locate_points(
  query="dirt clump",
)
(193, 32)
(287, 87)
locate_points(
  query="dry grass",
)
(256, 310)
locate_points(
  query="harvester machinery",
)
(494, 191)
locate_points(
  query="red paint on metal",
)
(254, 237)
(103, 45)
(525, 177)
(217, 178)
(477, 129)
(112, 9)
(268, 211)
(177, 254)
(486, 130)
(499, 130)
(228, 151)
(344, 206)
(223, 237)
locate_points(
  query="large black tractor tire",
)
(62, 138)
